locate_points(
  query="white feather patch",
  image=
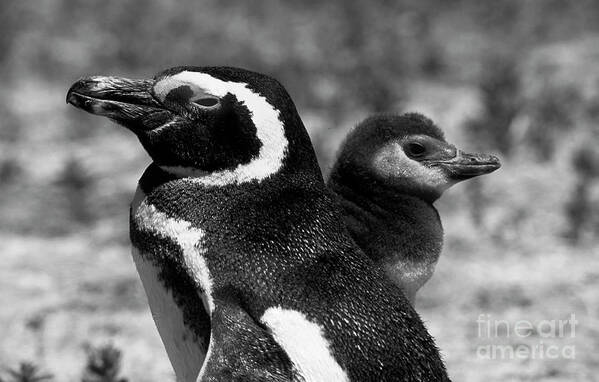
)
(189, 239)
(305, 344)
(390, 161)
(269, 128)
(186, 355)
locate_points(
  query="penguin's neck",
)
(401, 232)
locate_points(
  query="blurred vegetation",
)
(27, 372)
(517, 78)
(581, 209)
(103, 364)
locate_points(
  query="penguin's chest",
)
(185, 349)
(169, 256)
(171, 248)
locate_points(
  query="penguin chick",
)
(389, 172)
(241, 247)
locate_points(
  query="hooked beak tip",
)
(71, 98)
(79, 90)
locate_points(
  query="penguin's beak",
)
(468, 165)
(124, 100)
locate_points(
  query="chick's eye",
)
(415, 149)
(206, 102)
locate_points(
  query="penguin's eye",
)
(206, 102)
(415, 150)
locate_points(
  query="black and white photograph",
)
(316, 191)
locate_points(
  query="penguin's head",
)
(407, 154)
(224, 125)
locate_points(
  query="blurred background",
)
(517, 78)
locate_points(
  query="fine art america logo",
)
(525, 339)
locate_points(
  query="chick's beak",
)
(121, 99)
(468, 165)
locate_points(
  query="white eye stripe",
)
(201, 84)
(203, 81)
(269, 130)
